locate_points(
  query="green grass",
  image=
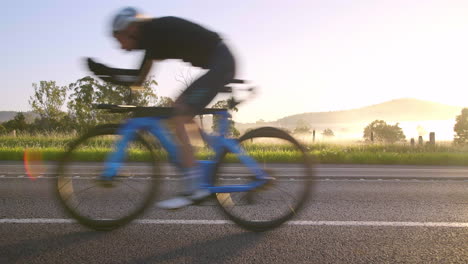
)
(52, 147)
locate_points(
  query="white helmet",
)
(124, 17)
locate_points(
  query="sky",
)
(304, 55)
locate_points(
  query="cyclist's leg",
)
(197, 96)
(179, 121)
(192, 174)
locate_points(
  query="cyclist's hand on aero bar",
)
(106, 74)
(98, 69)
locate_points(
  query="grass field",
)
(53, 145)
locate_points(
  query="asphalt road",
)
(358, 214)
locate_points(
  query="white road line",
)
(226, 222)
(282, 180)
(380, 223)
(182, 222)
(36, 221)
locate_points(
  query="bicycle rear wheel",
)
(106, 204)
(282, 197)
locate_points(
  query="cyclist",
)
(173, 38)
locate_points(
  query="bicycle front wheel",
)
(284, 194)
(106, 204)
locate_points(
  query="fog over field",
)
(415, 117)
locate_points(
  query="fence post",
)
(432, 138)
(372, 136)
(13, 133)
(201, 122)
(412, 142)
(420, 140)
(313, 136)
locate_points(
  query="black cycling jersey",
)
(169, 38)
(177, 38)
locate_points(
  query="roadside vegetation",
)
(52, 145)
(52, 129)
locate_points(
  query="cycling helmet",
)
(124, 17)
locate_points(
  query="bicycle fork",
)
(114, 160)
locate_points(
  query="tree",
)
(382, 132)
(88, 91)
(165, 101)
(226, 104)
(17, 123)
(146, 96)
(461, 128)
(47, 101)
(328, 133)
(301, 127)
(185, 76)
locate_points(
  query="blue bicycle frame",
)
(219, 143)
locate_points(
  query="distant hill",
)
(405, 110)
(412, 114)
(8, 115)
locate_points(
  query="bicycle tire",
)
(66, 188)
(242, 208)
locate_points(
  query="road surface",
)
(359, 214)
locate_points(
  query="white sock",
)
(192, 177)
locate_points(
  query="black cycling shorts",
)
(221, 70)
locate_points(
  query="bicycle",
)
(252, 198)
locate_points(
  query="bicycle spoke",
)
(60, 188)
(284, 200)
(283, 191)
(81, 191)
(244, 195)
(272, 204)
(92, 202)
(131, 187)
(228, 198)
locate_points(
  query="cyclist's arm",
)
(130, 76)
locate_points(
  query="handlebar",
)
(149, 111)
(233, 102)
(237, 81)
